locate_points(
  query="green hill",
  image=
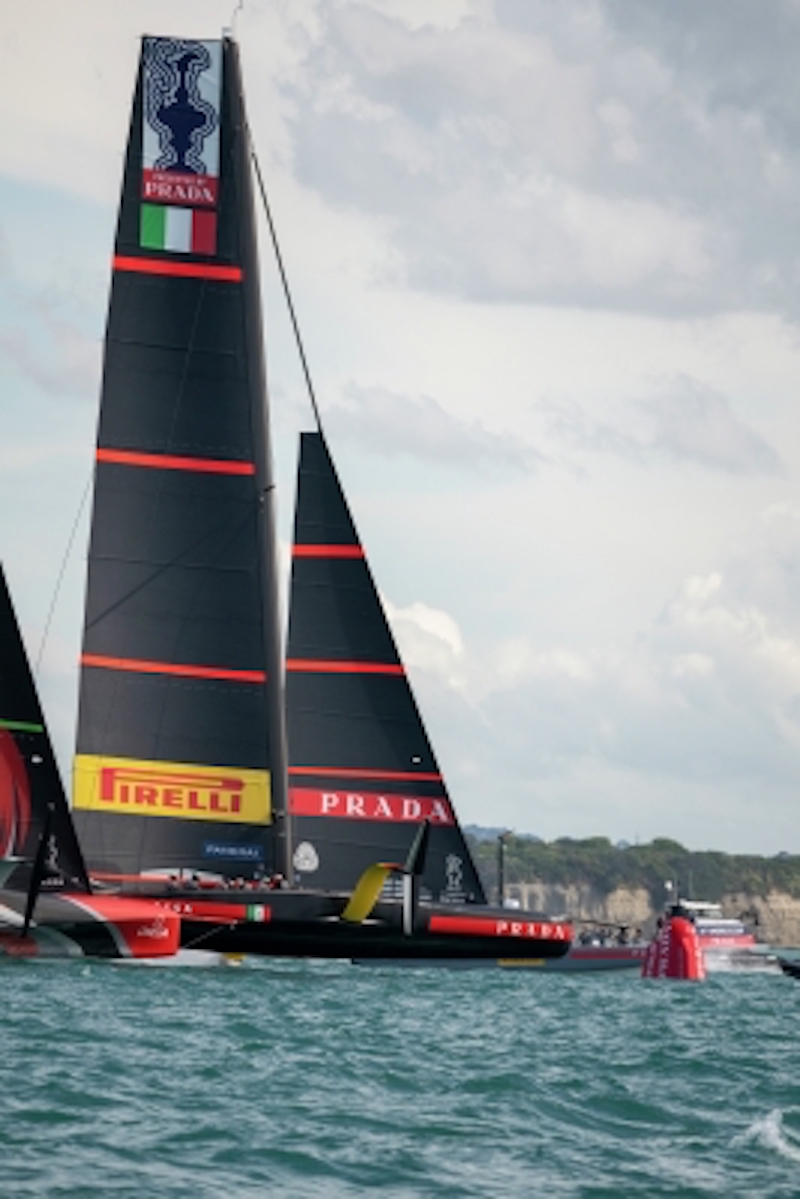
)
(605, 867)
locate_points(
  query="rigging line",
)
(192, 341)
(215, 928)
(285, 283)
(60, 579)
(175, 560)
(239, 8)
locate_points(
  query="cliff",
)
(596, 881)
(775, 918)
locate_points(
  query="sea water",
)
(325, 1079)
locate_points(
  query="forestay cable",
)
(285, 283)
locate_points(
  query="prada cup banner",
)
(180, 121)
(180, 145)
(227, 794)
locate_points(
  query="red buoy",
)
(675, 951)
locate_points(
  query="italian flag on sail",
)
(181, 230)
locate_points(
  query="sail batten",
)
(213, 466)
(327, 551)
(347, 773)
(341, 666)
(178, 270)
(183, 669)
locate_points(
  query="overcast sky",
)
(546, 259)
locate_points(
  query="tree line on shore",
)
(598, 863)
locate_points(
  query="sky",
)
(546, 262)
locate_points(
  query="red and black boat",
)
(47, 908)
(309, 817)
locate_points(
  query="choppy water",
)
(323, 1079)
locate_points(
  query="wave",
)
(769, 1132)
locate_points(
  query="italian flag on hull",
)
(181, 230)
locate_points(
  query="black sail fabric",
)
(362, 774)
(179, 718)
(30, 784)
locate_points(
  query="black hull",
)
(305, 924)
(301, 939)
(791, 968)
(570, 963)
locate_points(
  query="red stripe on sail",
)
(186, 270)
(213, 466)
(330, 666)
(386, 775)
(327, 551)
(143, 666)
(493, 926)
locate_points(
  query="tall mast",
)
(273, 651)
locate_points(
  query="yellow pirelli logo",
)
(227, 794)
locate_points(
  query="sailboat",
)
(47, 908)
(309, 818)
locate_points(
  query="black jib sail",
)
(34, 815)
(362, 773)
(178, 764)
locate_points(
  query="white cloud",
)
(708, 696)
(429, 640)
(394, 424)
(417, 14)
(683, 419)
(692, 664)
(621, 124)
(21, 457)
(743, 638)
(620, 242)
(67, 362)
(696, 423)
(619, 150)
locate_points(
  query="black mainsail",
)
(179, 755)
(362, 772)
